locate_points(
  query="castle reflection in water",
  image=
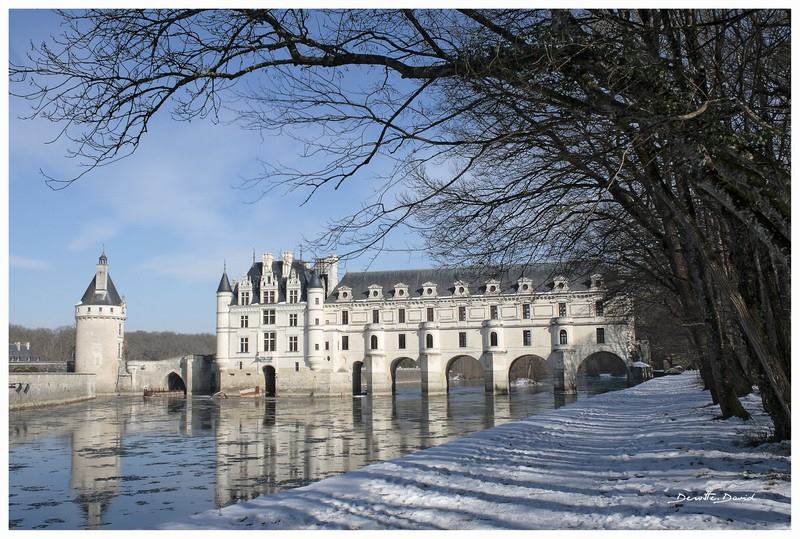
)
(135, 464)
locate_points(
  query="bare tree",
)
(663, 135)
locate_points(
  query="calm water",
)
(126, 463)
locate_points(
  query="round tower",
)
(224, 300)
(100, 330)
(315, 320)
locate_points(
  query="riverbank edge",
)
(620, 460)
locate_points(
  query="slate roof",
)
(314, 281)
(224, 284)
(476, 278)
(91, 297)
(303, 274)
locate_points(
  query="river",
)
(130, 463)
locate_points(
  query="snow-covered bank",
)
(647, 457)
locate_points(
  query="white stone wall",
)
(240, 370)
(99, 337)
(29, 390)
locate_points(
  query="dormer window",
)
(400, 291)
(428, 289)
(492, 287)
(560, 284)
(524, 286)
(460, 288)
(375, 291)
(344, 293)
(596, 280)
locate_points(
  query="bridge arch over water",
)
(603, 362)
(529, 366)
(404, 362)
(469, 362)
(174, 382)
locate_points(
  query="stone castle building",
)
(291, 327)
(100, 330)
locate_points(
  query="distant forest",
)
(59, 344)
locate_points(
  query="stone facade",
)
(290, 327)
(100, 330)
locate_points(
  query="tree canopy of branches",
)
(655, 140)
(59, 344)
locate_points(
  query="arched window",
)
(493, 339)
(562, 336)
(373, 342)
(428, 341)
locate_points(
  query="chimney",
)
(28, 346)
(266, 262)
(332, 270)
(19, 346)
(288, 256)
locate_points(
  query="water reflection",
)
(126, 463)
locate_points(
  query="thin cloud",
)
(23, 262)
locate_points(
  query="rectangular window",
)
(244, 321)
(244, 345)
(345, 342)
(462, 339)
(401, 316)
(296, 366)
(316, 301)
(293, 343)
(598, 308)
(327, 345)
(245, 298)
(526, 311)
(293, 320)
(269, 296)
(462, 314)
(268, 317)
(562, 309)
(292, 296)
(376, 314)
(401, 341)
(601, 336)
(316, 346)
(119, 350)
(316, 321)
(269, 342)
(345, 318)
(493, 312)
(430, 314)
(526, 337)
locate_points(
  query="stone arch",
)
(603, 362)
(473, 365)
(404, 361)
(270, 387)
(175, 382)
(358, 378)
(529, 366)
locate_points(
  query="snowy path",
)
(618, 460)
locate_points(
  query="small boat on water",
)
(161, 392)
(250, 392)
(523, 382)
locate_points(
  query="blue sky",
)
(168, 215)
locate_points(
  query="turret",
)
(315, 320)
(224, 299)
(100, 330)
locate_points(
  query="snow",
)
(649, 457)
